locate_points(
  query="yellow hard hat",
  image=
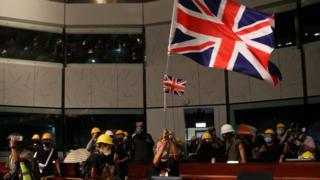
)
(193, 138)
(281, 125)
(35, 137)
(105, 139)
(119, 132)
(269, 131)
(125, 133)
(307, 155)
(206, 135)
(95, 130)
(46, 136)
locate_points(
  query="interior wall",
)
(312, 52)
(104, 86)
(123, 14)
(173, 119)
(43, 11)
(30, 83)
(204, 86)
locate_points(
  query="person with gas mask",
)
(206, 151)
(235, 149)
(97, 165)
(122, 155)
(165, 161)
(271, 150)
(36, 143)
(282, 133)
(46, 157)
(20, 162)
(95, 132)
(142, 145)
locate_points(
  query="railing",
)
(207, 171)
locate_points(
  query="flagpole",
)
(226, 83)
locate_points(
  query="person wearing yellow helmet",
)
(281, 132)
(122, 154)
(192, 145)
(96, 167)
(36, 142)
(205, 151)
(95, 132)
(47, 157)
(271, 151)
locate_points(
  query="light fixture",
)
(201, 125)
(316, 34)
(93, 61)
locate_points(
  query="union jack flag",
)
(173, 85)
(224, 34)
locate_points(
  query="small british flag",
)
(173, 85)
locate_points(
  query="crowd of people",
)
(109, 152)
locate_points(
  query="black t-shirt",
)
(42, 156)
(97, 161)
(122, 150)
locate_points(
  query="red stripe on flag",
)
(192, 48)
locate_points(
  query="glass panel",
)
(28, 124)
(285, 33)
(310, 21)
(30, 45)
(79, 126)
(105, 48)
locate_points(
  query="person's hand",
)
(12, 143)
(118, 161)
(94, 135)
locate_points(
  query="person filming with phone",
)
(166, 160)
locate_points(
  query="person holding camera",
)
(21, 162)
(166, 160)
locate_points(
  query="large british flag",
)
(224, 34)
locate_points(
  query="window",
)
(310, 21)
(198, 120)
(31, 45)
(28, 124)
(285, 33)
(266, 118)
(106, 48)
(79, 126)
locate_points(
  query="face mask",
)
(279, 131)
(47, 144)
(268, 139)
(107, 153)
(138, 131)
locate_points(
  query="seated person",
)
(166, 157)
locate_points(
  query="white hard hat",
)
(110, 133)
(226, 128)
